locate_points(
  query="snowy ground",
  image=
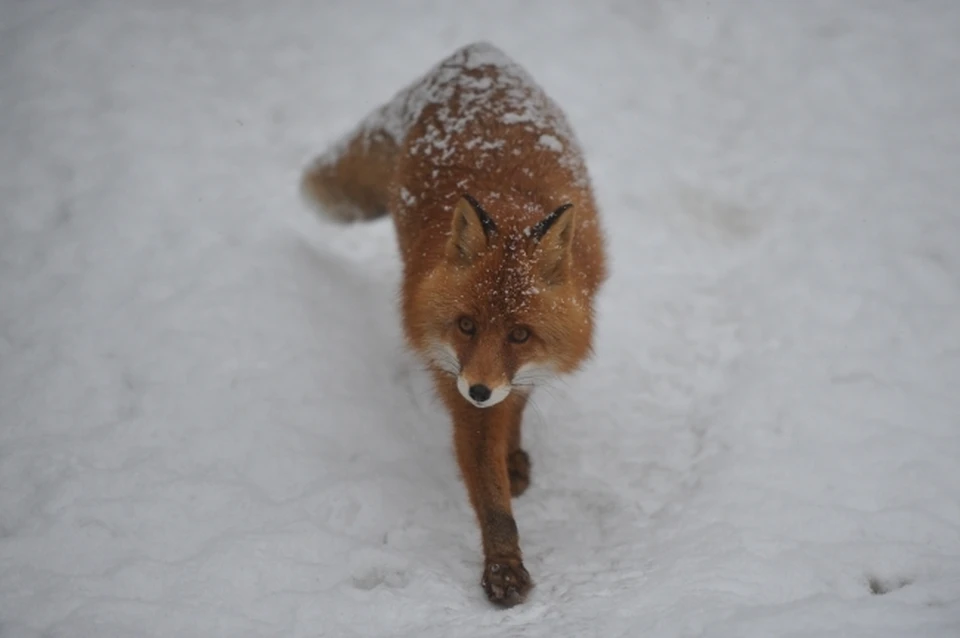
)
(209, 427)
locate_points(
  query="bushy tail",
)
(349, 183)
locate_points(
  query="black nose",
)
(479, 393)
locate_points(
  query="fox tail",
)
(349, 182)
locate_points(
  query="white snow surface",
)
(209, 425)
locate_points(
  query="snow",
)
(209, 426)
(551, 142)
(407, 197)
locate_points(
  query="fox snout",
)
(482, 395)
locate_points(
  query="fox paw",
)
(506, 581)
(518, 465)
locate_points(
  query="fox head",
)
(503, 309)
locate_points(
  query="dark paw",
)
(506, 581)
(518, 464)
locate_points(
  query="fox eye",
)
(467, 325)
(519, 335)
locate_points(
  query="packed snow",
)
(209, 425)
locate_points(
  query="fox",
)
(503, 256)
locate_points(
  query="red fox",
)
(503, 255)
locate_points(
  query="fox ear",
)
(554, 234)
(470, 230)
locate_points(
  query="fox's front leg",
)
(483, 438)
(518, 462)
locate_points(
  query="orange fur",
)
(502, 253)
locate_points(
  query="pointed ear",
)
(554, 234)
(469, 231)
